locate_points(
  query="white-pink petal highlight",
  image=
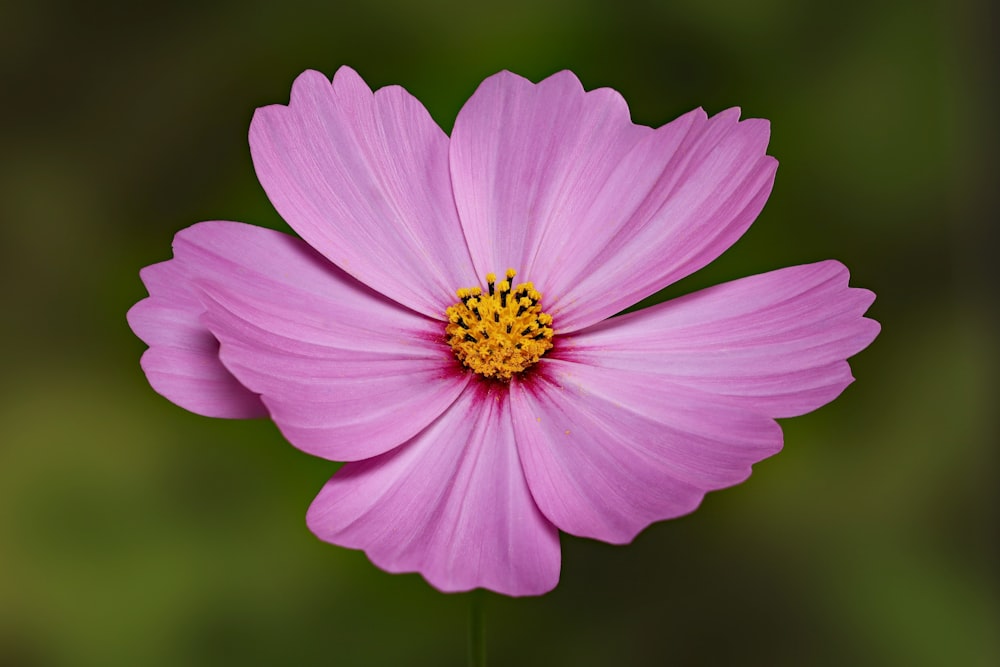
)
(775, 342)
(452, 504)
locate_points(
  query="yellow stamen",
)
(500, 332)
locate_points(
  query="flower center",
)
(501, 332)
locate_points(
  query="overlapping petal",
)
(364, 179)
(775, 342)
(452, 504)
(708, 180)
(345, 373)
(182, 362)
(597, 212)
(608, 452)
(528, 161)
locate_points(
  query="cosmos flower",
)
(445, 324)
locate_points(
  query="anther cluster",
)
(501, 332)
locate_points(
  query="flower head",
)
(480, 416)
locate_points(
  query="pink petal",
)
(776, 343)
(363, 178)
(345, 373)
(597, 212)
(182, 362)
(528, 161)
(677, 201)
(607, 452)
(451, 504)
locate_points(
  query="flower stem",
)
(477, 628)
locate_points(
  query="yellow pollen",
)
(500, 332)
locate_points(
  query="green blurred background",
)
(135, 533)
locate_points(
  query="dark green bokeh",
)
(134, 533)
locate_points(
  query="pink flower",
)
(479, 416)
